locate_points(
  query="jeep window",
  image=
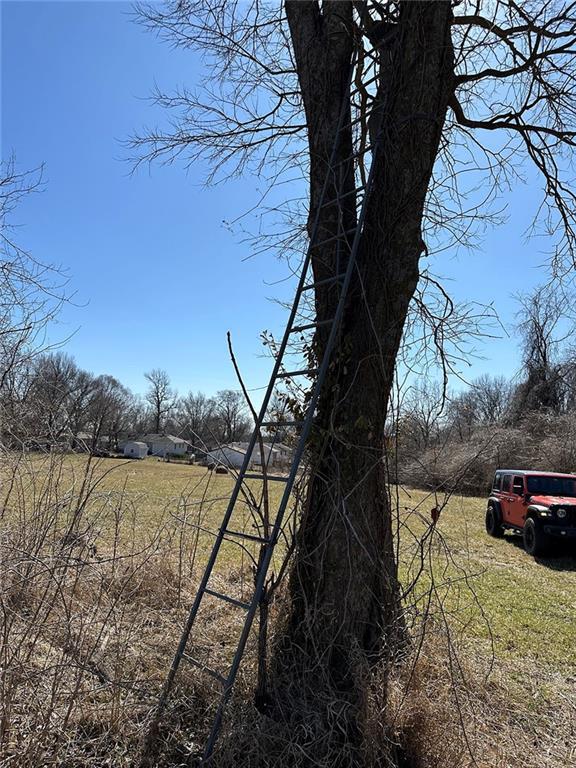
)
(507, 483)
(518, 487)
(552, 486)
(497, 482)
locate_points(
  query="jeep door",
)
(517, 504)
(512, 500)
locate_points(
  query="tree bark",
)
(345, 611)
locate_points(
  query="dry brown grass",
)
(99, 563)
(455, 707)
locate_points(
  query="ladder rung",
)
(339, 236)
(324, 282)
(303, 372)
(281, 424)
(272, 478)
(249, 536)
(318, 324)
(216, 675)
(227, 598)
(334, 200)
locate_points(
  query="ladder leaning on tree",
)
(347, 242)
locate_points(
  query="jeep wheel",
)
(493, 525)
(535, 540)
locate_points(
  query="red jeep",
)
(539, 505)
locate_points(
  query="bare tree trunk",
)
(345, 612)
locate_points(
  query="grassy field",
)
(490, 587)
(105, 608)
(495, 591)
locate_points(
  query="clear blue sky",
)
(158, 279)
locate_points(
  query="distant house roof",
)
(139, 443)
(83, 436)
(244, 446)
(174, 439)
(283, 447)
(236, 447)
(156, 438)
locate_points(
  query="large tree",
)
(58, 395)
(108, 410)
(160, 397)
(466, 92)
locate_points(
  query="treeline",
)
(439, 438)
(455, 440)
(49, 397)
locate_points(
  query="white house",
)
(232, 455)
(162, 445)
(273, 456)
(135, 449)
(229, 455)
(284, 453)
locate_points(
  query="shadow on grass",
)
(562, 555)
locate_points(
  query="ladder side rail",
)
(293, 311)
(323, 368)
(261, 417)
(263, 571)
(288, 331)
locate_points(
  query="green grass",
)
(497, 593)
(490, 590)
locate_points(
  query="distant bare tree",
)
(569, 380)
(421, 413)
(196, 414)
(108, 409)
(53, 394)
(463, 413)
(160, 397)
(233, 421)
(125, 420)
(539, 324)
(138, 415)
(492, 395)
(83, 390)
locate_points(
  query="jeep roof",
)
(535, 472)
